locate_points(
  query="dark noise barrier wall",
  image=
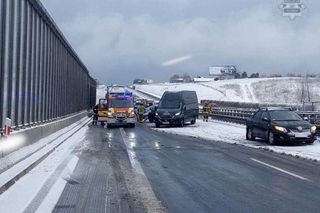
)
(41, 77)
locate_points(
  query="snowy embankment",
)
(101, 92)
(260, 90)
(219, 131)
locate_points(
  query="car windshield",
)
(119, 103)
(284, 116)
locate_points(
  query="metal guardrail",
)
(236, 115)
(240, 115)
(41, 76)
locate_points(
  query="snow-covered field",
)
(235, 133)
(263, 90)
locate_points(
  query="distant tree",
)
(254, 75)
(244, 75)
(275, 76)
(174, 78)
(186, 78)
(237, 75)
(311, 75)
(291, 75)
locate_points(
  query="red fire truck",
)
(120, 107)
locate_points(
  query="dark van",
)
(177, 108)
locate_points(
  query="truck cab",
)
(120, 107)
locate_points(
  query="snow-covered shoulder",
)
(216, 131)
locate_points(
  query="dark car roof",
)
(275, 109)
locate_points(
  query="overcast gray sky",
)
(120, 40)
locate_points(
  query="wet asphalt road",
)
(188, 175)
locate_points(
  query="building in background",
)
(202, 79)
(143, 81)
(223, 72)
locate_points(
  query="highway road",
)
(142, 170)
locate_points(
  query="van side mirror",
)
(266, 119)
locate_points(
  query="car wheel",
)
(194, 120)
(271, 139)
(181, 123)
(249, 135)
(310, 142)
(108, 126)
(132, 125)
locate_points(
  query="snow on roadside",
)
(235, 133)
(24, 152)
(101, 92)
(18, 197)
(53, 196)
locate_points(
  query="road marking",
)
(52, 198)
(280, 170)
(130, 143)
(147, 194)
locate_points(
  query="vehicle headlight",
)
(132, 114)
(313, 129)
(178, 113)
(110, 114)
(281, 129)
(156, 113)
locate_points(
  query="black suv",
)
(279, 125)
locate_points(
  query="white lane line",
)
(280, 170)
(142, 184)
(53, 196)
(131, 153)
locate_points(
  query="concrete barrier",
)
(31, 135)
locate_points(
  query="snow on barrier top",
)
(246, 105)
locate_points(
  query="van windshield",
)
(169, 104)
(170, 101)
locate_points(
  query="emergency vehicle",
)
(120, 107)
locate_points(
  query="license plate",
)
(102, 119)
(301, 135)
(166, 122)
(121, 115)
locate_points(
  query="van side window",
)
(189, 97)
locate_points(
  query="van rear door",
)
(190, 101)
